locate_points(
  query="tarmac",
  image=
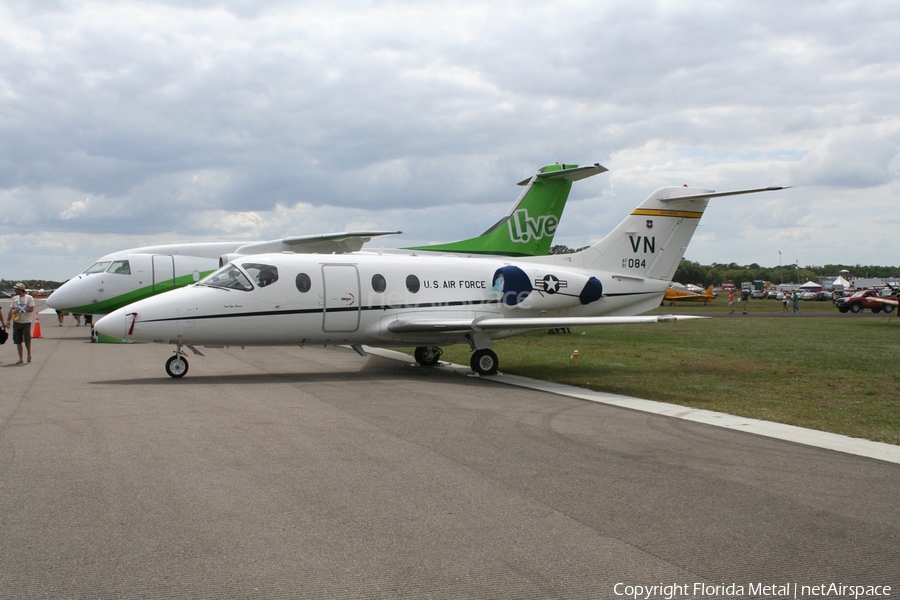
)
(316, 472)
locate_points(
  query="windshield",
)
(120, 267)
(97, 267)
(262, 274)
(228, 277)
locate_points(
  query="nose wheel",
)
(177, 366)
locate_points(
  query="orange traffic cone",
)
(36, 330)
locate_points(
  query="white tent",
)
(811, 286)
(840, 284)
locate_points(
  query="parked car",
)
(823, 295)
(864, 299)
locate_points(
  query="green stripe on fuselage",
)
(104, 307)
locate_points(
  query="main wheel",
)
(428, 356)
(855, 307)
(177, 366)
(484, 362)
(888, 308)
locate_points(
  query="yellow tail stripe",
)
(656, 212)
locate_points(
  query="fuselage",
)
(288, 299)
(121, 278)
(131, 275)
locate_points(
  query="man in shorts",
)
(21, 314)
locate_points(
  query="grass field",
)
(831, 373)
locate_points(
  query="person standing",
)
(731, 302)
(21, 314)
(795, 298)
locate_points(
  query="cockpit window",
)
(120, 267)
(262, 274)
(228, 277)
(97, 267)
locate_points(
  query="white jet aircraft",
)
(425, 300)
(121, 278)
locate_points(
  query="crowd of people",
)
(18, 323)
(793, 298)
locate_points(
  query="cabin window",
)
(228, 277)
(303, 283)
(412, 284)
(97, 267)
(378, 283)
(262, 274)
(119, 267)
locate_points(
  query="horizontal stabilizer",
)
(571, 174)
(500, 324)
(712, 194)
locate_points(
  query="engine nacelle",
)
(544, 288)
(227, 258)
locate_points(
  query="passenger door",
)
(341, 291)
(163, 273)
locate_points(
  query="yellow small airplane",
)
(683, 293)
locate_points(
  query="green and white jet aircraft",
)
(120, 278)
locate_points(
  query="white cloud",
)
(139, 122)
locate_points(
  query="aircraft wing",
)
(500, 324)
(320, 243)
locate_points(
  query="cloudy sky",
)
(129, 123)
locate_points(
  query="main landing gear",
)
(484, 361)
(428, 356)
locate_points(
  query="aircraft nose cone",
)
(69, 295)
(113, 324)
(58, 300)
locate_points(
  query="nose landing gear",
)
(177, 366)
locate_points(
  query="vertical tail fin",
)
(529, 227)
(651, 241)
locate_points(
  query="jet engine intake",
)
(544, 288)
(227, 258)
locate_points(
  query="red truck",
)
(866, 299)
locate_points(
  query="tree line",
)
(714, 274)
(688, 272)
(31, 284)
